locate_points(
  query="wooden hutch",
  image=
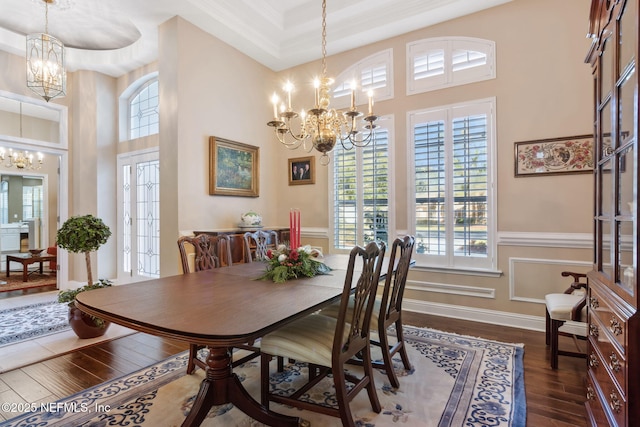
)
(613, 354)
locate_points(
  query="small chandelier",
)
(322, 125)
(21, 159)
(46, 74)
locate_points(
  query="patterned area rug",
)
(456, 381)
(31, 321)
(36, 280)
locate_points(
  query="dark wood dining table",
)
(219, 308)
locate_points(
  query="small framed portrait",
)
(302, 170)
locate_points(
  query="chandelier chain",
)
(324, 38)
(322, 125)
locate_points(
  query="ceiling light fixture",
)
(21, 159)
(321, 124)
(46, 73)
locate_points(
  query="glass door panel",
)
(626, 108)
(606, 262)
(626, 200)
(627, 33)
(626, 266)
(606, 189)
(605, 128)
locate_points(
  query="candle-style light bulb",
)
(288, 87)
(353, 95)
(316, 85)
(274, 101)
(370, 94)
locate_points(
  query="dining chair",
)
(562, 307)
(209, 251)
(326, 343)
(387, 310)
(257, 243)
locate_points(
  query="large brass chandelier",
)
(321, 125)
(46, 73)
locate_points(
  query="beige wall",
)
(542, 90)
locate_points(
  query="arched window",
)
(441, 62)
(373, 73)
(140, 109)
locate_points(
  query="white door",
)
(138, 216)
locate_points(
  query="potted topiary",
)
(83, 234)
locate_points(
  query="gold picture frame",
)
(234, 168)
(302, 170)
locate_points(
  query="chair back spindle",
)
(358, 317)
(257, 243)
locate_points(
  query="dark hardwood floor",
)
(554, 398)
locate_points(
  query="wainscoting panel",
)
(447, 288)
(530, 279)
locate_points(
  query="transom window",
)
(444, 62)
(373, 73)
(144, 111)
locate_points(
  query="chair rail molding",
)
(548, 240)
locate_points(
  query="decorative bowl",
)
(250, 219)
(36, 252)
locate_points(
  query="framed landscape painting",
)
(573, 154)
(233, 168)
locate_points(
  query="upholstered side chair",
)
(387, 309)
(562, 307)
(326, 344)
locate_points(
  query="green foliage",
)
(69, 296)
(285, 264)
(80, 234)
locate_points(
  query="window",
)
(144, 111)
(139, 216)
(141, 101)
(373, 73)
(32, 199)
(453, 184)
(361, 192)
(4, 202)
(444, 62)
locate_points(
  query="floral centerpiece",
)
(284, 263)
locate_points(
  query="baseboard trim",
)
(494, 317)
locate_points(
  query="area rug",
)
(36, 280)
(32, 321)
(455, 381)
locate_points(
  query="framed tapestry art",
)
(302, 170)
(573, 154)
(233, 168)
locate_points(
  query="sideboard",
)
(238, 253)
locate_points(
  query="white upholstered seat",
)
(563, 307)
(326, 344)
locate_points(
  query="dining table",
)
(219, 308)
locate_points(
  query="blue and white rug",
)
(32, 321)
(456, 381)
